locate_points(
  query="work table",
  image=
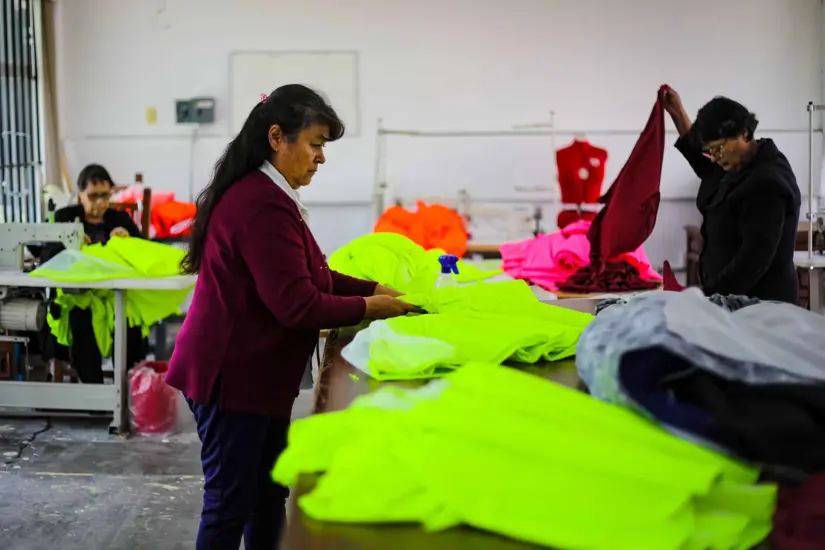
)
(339, 383)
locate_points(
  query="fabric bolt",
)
(401, 456)
(613, 276)
(799, 521)
(395, 261)
(550, 260)
(430, 226)
(632, 202)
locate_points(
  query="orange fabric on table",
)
(173, 219)
(430, 226)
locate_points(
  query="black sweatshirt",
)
(749, 224)
(97, 232)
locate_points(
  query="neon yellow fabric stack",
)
(120, 258)
(509, 452)
(395, 261)
(489, 322)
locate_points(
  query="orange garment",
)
(173, 219)
(430, 226)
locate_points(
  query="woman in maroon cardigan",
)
(264, 292)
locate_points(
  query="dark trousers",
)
(84, 353)
(240, 498)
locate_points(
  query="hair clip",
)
(263, 98)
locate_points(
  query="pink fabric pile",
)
(550, 260)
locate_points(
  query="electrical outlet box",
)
(198, 110)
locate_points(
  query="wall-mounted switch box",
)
(199, 110)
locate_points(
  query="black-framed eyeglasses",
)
(94, 197)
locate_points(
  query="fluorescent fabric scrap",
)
(120, 258)
(508, 452)
(395, 261)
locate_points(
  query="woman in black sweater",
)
(748, 198)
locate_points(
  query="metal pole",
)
(548, 132)
(812, 108)
(379, 184)
(810, 180)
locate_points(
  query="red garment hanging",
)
(632, 202)
(581, 174)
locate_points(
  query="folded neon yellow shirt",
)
(511, 453)
(120, 258)
(491, 322)
(395, 261)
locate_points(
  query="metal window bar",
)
(21, 157)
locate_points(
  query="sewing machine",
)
(24, 308)
(15, 237)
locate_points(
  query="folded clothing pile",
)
(549, 261)
(740, 375)
(511, 453)
(397, 262)
(619, 276)
(490, 322)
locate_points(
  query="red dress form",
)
(581, 174)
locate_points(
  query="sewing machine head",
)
(15, 237)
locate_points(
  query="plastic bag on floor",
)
(154, 404)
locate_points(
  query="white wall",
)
(439, 64)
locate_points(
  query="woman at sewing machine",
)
(748, 198)
(100, 223)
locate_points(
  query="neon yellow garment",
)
(395, 261)
(511, 453)
(512, 298)
(491, 322)
(120, 258)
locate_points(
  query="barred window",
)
(21, 157)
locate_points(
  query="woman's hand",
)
(382, 290)
(674, 107)
(385, 307)
(119, 232)
(673, 102)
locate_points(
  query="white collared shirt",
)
(279, 180)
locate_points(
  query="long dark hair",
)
(292, 107)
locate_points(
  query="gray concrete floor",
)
(66, 483)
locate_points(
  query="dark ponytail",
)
(292, 107)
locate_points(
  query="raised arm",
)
(702, 165)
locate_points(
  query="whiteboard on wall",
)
(332, 73)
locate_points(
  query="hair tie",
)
(263, 98)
